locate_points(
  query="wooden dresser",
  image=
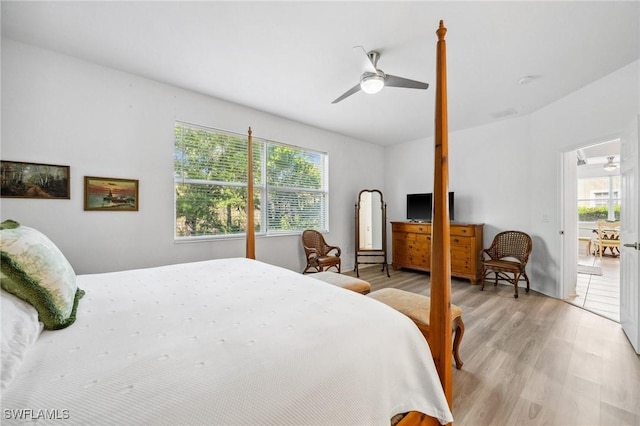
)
(411, 248)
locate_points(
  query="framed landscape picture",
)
(34, 180)
(110, 194)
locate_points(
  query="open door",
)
(629, 238)
(569, 232)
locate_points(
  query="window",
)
(602, 198)
(210, 173)
(598, 198)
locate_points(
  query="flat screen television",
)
(420, 207)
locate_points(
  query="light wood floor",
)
(533, 360)
(600, 292)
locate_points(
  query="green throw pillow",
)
(9, 224)
(35, 270)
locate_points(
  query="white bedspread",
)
(230, 341)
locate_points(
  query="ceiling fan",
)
(374, 79)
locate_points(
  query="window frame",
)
(262, 187)
(611, 200)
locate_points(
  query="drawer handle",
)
(455, 240)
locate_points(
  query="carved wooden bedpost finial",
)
(441, 31)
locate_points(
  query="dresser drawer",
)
(420, 260)
(419, 228)
(460, 267)
(417, 250)
(461, 242)
(460, 251)
(468, 231)
(403, 238)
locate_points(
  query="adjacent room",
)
(598, 285)
(241, 208)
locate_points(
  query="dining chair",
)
(608, 236)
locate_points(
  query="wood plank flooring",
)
(599, 293)
(533, 360)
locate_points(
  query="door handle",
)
(635, 245)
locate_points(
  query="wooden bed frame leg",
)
(458, 327)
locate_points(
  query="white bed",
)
(230, 341)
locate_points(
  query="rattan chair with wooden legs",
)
(507, 258)
(319, 255)
(608, 236)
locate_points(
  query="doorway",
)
(596, 197)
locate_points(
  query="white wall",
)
(477, 170)
(102, 122)
(595, 113)
(507, 175)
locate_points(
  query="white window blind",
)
(210, 169)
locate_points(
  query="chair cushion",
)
(608, 243)
(415, 306)
(503, 265)
(328, 260)
(344, 281)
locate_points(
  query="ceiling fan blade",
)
(394, 81)
(364, 58)
(348, 93)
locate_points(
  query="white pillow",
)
(20, 330)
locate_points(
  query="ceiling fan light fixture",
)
(610, 165)
(371, 83)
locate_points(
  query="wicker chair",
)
(608, 236)
(507, 258)
(317, 251)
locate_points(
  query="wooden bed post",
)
(251, 237)
(440, 318)
(440, 340)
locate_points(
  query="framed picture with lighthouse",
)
(110, 194)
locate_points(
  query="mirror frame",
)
(371, 256)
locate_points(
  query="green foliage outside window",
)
(203, 163)
(211, 184)
(592, 214)
(295, 197)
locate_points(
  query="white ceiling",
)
(293, 59)
(598, 154)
